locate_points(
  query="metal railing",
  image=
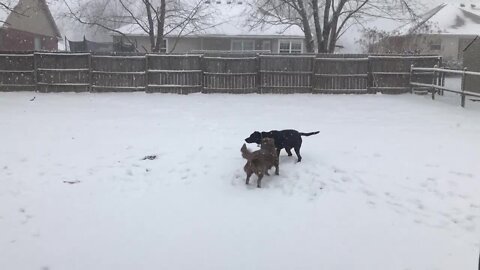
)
(438, 81)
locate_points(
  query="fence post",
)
(463, 87)
(439, 75)
(35, 71)
(411, 76)
(369, 76)
(146, 74)
(434, 81)
(90, 73)
(444, 74)
(258, 83)
(202, 75)
(313, 77)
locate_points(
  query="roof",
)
(447, 19)
(227, 18)
(27, 16)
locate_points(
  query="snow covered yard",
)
(391, 182)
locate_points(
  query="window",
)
(266, 45)
(243, 45)
(163, 48)
(290, 46)
(435, 47)
(37, 43)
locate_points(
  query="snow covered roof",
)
(472, 6)
(227, 18)
(448, 19)
(30, 16)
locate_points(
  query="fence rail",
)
(259, 73)
(437, 84)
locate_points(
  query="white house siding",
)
(189, 44)
(221, 44)
(183, 45)
(450, 48)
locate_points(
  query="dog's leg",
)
(259, 181)
(297, 151)
(288, 151)
(249, 173)
(276, 167)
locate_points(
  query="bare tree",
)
(154, 18)
(286, 13)
(7, 7)
(329, 18)
(413, 38)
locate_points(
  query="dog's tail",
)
(309, 134)
(246, 154)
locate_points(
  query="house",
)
(445, 30)
(472, 62)
(30, 26)
(227, 30)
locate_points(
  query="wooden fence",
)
(341, 75)
(392, 73)
(285, 74)
(210, 73)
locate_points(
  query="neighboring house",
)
(227, 31)
(445, 30)
(472, 63)
(30, 26)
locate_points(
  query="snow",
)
(468, 5)
(450, 19)
(391, 182)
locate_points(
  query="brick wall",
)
(15, 40)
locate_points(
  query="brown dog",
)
(260, 161)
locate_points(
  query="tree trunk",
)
(160, 25)
(306, 27)
(323, 47)
(151, 31)
(318, 29)
(332, 42)
(333, 37)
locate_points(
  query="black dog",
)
(287, 139)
